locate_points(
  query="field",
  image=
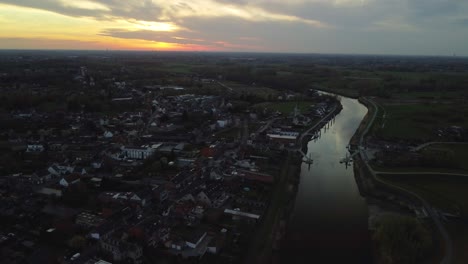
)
(458, 155)
(419, 121)
(258, 91)
(285, 107)
(459, 151)
(446, 193)
(177, 68)
(435, 95)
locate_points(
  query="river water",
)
(329, 221)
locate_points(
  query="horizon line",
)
(237, 52)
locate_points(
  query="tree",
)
(402, 239)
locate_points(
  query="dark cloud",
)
(462, 22)
(129, 9)
(149, 35)
(54, 6)
(425, 8)
(376, 26)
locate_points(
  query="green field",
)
(442, 191)
(177, 68)
(434, 95)
(285, 107)
(458, 151)
(447, 193)
(259, 91)
(419, 121)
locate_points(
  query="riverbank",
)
(346, 93)
(354, 142)
(391, 199)
(272, 228)
(306, 136)
(267, 241)
(328, 221)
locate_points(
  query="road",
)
(267, 125)
(422, 173)
(227, 87)
(448, 257)
(435, 142)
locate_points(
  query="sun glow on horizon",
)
(29, 28)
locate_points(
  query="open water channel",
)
(329, 221)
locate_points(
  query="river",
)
(329, 220)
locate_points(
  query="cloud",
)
(44, 43)
(362, 26)
(158, 10)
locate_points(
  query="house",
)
(256, 176)
(223, 123)
(79, 170)
(69, 180)
(284, 137)
(138, 152)
(127, 198)
(116, 244)
(210, 151)
(194, 238)
(96, 182)
(34, 148)
(108, 134)
(58, 170)
(160, 193)
(203, 198)
(87, 219)
(217, 242)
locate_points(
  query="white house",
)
(35, 148)
(108, 134)
(138, 153)
(223, 123)
(58, 170)
(69, 180)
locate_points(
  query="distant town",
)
(147, 157)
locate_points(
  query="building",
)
(87, 219)
(138, 152)
(116, 245)
(69, 180)
(35, 148)
(283, 137)
(126, 198)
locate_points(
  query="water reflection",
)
(329, 222)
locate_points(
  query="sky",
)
(405, 27)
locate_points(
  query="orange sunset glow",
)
(323, 26)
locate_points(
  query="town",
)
(128, 172)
